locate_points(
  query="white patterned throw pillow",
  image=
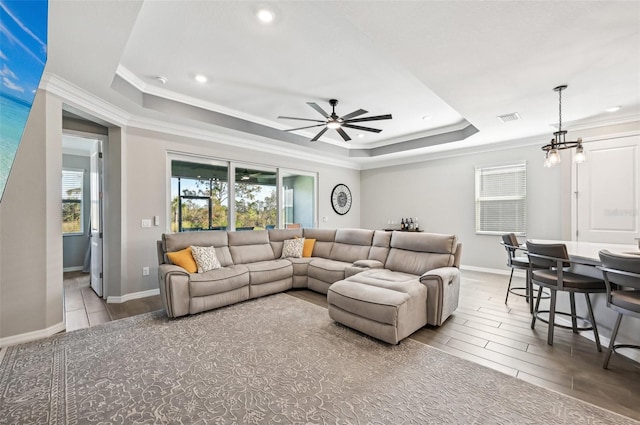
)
(205, 257)
(292, 248)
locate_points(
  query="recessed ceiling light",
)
(201, 78)
(360, 135)
(613, 109)
(426, 118)
(265, 16)
(161, 79)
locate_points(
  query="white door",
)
(96, 219)
(607, 192)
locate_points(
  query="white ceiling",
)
(462, 63)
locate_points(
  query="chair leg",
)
(552, 314)
(574, 317)
(535, 310)
(607, 356)
(529, 286)
(509, 287)
(593, 322)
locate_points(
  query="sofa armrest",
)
(362, 265)
(174, 289)
(368, 264)
(443, 291)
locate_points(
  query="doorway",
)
(82, 209)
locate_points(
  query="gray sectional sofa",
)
(385, 284)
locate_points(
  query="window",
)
(199, 196)
(214, 194)
(298, 199)
(256, 200)
(501, 195)
(72, 198)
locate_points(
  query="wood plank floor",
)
(486, 331)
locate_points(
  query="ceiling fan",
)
(334, 122)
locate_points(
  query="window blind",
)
(501, 195)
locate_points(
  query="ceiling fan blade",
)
(302, 128)
(354, 114)
(299, 119)
(376, 118)
(357, 127)
(319, 109)
(320, 134)
(344, 135)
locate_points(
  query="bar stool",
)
(547, 264)
(510, 243)
(622, 278)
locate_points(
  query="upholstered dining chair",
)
(622, 277)
(511, 245)
(548, 264)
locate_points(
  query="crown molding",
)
(145, 88)
(245, 141)
(81, 98)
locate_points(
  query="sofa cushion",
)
(184, 259)
(205, 257)
(218, 281)
(250, 247)
(417, 253)
(371, 302)
(328, 271)
(351, 245)
(292, 248)
(380, 246)
(307, 250)
(269, 271)
(278, 236)
(324, 241)
(218, 239)
(301, 265)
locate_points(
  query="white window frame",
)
(518, 171)
(82, 200)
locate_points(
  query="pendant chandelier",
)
(558, 143)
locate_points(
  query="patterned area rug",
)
(276, 359)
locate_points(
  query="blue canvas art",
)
(23, 53)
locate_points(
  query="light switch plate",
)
(156, 220)
(146, 222)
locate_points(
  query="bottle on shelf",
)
(402, 226)
(411, 225)
(417, 226)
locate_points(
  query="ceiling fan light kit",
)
(559, 142)
(334, 122)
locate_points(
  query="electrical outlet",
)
(145, 271)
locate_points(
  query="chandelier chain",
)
(560, 109)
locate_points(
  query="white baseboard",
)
(72, 269)
(132, 296)
(32, 336)
(504, 272)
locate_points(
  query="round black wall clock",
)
(341, 199)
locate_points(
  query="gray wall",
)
(441, 193)
(30, 229)
(145, 171)
(74, 247)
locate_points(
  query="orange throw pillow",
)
(307, 250)
(184, 259)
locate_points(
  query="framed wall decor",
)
(341, 199)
